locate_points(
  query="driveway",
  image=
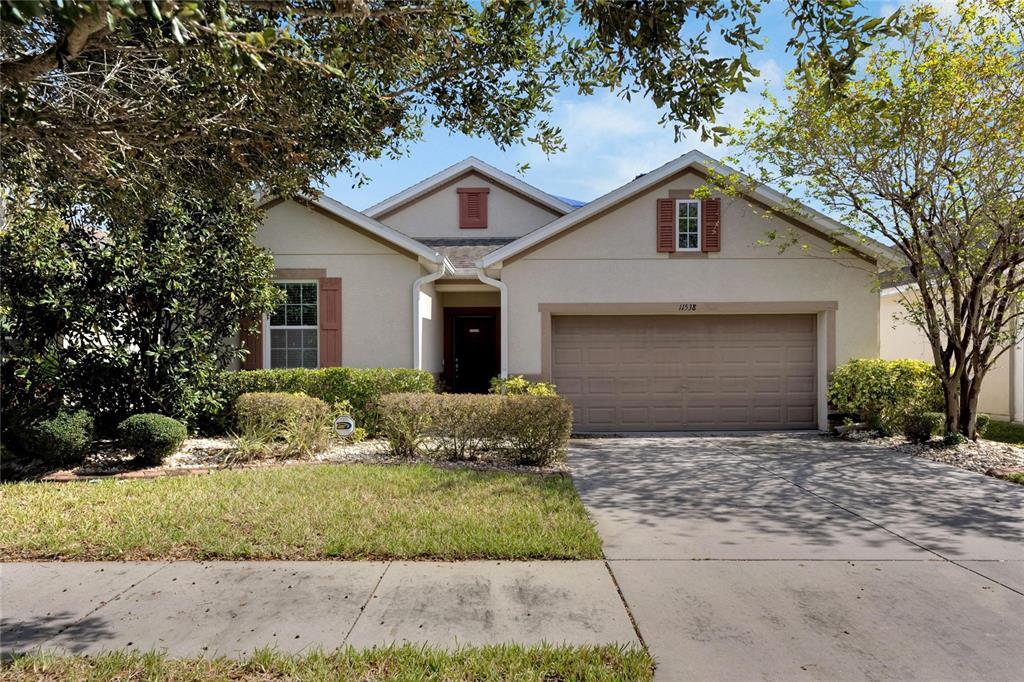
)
(792, 556)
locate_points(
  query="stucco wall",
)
(901, 339)
(437, 214)
(376, 280)
(613, 259)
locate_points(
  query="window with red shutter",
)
(711, 225)
(472, 207)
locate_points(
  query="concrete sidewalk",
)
(231, 608)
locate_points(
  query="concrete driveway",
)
(792, 556)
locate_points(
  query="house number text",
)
(687, 307)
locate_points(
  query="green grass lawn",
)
(503, 662)
(301, 512)
(1005, 432)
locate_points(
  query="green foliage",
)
(281, 424)
(520, 385)
(919, 427)
(152, 436)
(359, 388)
(140, 93)
(133, 318)
(63, 439)
(883, 392)
(982, 424)
(924, 150)
(523, 429)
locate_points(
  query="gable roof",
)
(376, 228)
(467, 165)
(772, 198)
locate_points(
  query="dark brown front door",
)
(472, 345)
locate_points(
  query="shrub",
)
(535, 428)
(981, 425)
(919, 427)
(152, 436)
(524, 429)
(883, 392)
(464, 425)
(285, 424)
(520, 385)
(406, 421)
(63, 439)
(359, 387)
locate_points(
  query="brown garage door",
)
(667, 373)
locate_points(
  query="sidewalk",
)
(230, 608)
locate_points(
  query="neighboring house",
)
(649, 309)
(1002, 391)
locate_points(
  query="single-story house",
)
(1002, 391)
(650, 309)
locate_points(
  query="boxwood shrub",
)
(63, 439)
(360, 387)
(883, 392)
(921, 426)
(152, 436)
(522, 429)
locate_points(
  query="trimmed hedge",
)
(282, 424)
(884, 392)
(359, 387)
(152, 436)
(64, 439)
(523, 429)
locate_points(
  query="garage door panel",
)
(678, 373)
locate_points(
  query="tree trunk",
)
(969, 408)
(951, 392)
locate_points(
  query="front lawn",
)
(301, 512)
(502, 662)
(1005, 432)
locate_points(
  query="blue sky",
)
(609, 141)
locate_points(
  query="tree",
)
(132, 317)
(924, 148)
(286, 92)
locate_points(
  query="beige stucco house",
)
(1002, 392)
(650, 310)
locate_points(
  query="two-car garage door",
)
(673, 373)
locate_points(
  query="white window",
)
(294, 328)
(688, 225)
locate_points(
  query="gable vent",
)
(472, 207)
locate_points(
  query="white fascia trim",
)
(629, 190)
(504, 316)
(389, 234)
(470, 163)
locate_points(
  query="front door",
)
(474, 357)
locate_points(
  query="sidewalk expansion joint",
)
(118, 595)
(625, 605)
(362, 609)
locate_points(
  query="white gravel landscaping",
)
(981, 456)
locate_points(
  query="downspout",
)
(417, 327)
(503, 289)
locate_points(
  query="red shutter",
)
(472, 208)
(666, 225)
(711, 225)
(252, 342)
(330, 321)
